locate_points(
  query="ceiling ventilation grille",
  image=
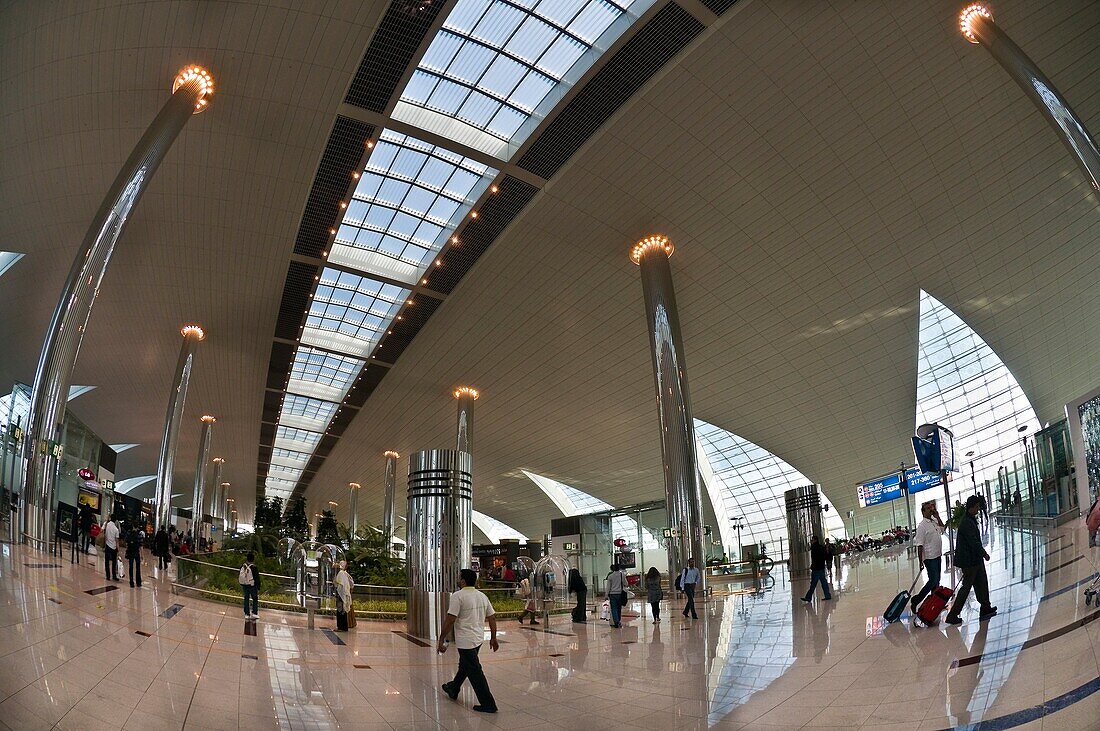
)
(344, 154)
(292, 308)
(652, 46)
(719, 6)
(391, 50)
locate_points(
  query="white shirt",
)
(344, 585)
(471, 607)
(111, 535)
(689, 576)
(929, 537)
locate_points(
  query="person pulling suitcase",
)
(929, 540)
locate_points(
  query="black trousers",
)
(581, 609)
(164, 559)
(689, 590)
(973, 576)
(110, 563)
(469, 666)
(656, 607)
(85, 540)
(135, 570)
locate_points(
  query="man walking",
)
(110, 549)
(830, 551)
(929, 540)
(689, 579)
(87, 520)
(466, 615)
(817, 571)
(970, 556)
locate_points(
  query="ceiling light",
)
(969, 16)
(206, 84)
(195, 330)
(208, 419)
(466, 391)
(473, 214)
(495, 189)
(395, 455)
(651, 243)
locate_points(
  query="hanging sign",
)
(882, 490)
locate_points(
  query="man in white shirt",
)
(466, 615)
(929, 540)
(689, 579)
(110, 542)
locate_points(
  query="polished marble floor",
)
(148, 659)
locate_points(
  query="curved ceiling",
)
(816, 164)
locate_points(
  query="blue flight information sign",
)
(917, 480)
(882, 490)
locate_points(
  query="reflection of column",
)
(439, 494)
(190, 95)
(200, 475)
(389, 514)
(978, 26)
(353, 508)
(192, 334)
(466, 397)
(682, 496)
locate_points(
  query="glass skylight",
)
(279, 487)
(496, 66)
(288, 458)
(290, 474)
(321, 374)
(349, 312)
(494, 529)
(571, 501)
(306, 413)
(296, 440)
(963, 385)
(409, 200)
(8, 260)
(750, 481)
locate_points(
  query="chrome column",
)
(803, 523)
(215, 490)
(192, 334)
(978, 26)
(466, 397)
(389, 508)
(200, 475)
(440, 493)
(53, 375)
(353, 508)
(682, 494)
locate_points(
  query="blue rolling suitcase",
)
(893, 612)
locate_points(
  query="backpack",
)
(244, 578)
(679, 586)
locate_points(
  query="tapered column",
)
(466, 397)
(200, 473)
(192, 335)
(215, 488)
(978, 26)
(353, 508)
(53, 375)
(682, 495)
(389, 506)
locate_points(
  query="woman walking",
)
(653, 592)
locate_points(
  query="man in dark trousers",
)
(87, 520)
(689, 579)
(466, 615)
(817, 571)
(161, 548)
(970, 557)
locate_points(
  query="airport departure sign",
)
(882, 490)
(916, 480)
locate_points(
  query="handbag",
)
(351, 617)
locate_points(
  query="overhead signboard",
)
(881, 490)
(916, 480)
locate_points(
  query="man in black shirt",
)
(970, 556)
(817, 571)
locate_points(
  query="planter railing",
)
(216, 582)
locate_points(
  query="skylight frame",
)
(321, 374)
(304, 412)
(415, 211)
(496, 530)
(8, 259)
(355, 326)
(464, 72)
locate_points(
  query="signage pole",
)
(950, 535)
(905, 492)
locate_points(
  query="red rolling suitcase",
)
(929, 610)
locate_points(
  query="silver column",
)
(353, 508)
(466, 397)
(53, 375)
(803, 523)
(200, 475)
(978, 26)
(439, 528)
(215, 488)
(192, 334)
(389, 508)
(682, 495)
